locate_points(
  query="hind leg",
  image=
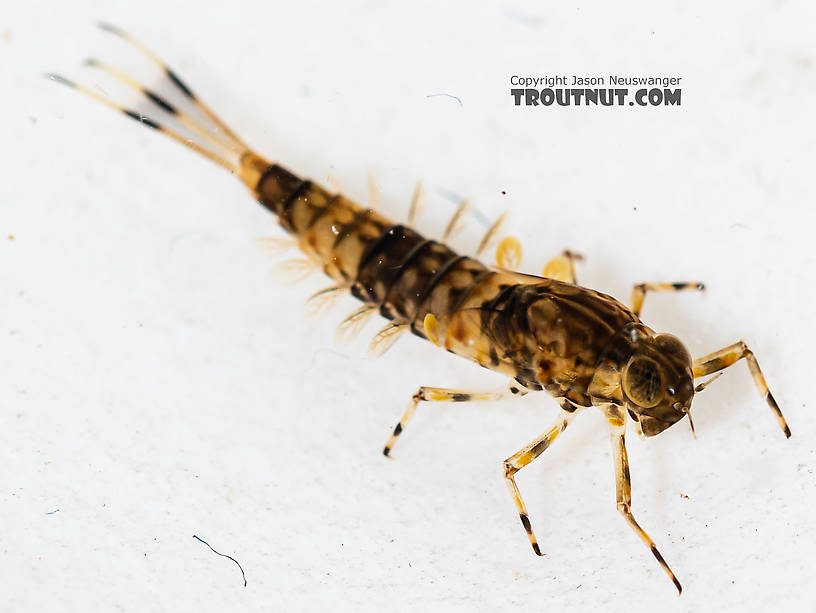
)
(639, 291)
(441, 394)
(522, 458)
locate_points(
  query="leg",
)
(639, 291)
(522, 458)
(724, 358)
(562, 267)
(623, 486)
(440, 394)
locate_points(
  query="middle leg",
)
(527, 454)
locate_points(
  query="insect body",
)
(545, 333)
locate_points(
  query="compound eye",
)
(642, 382)
(671, 345)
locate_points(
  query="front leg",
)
(623, 485)
(727, 356)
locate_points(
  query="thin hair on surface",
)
(223, 555)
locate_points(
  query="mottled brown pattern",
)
(447, 293)
(355, 238)
(581, 346)
(384, 261)
(546, 334)
(413, 282)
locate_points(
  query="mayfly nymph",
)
(544, 333)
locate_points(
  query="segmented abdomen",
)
(544, 333)
(406, 275)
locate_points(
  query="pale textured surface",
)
(158, 382)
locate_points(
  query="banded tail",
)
(386, 265)
(223, 146)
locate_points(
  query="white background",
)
(158, 381)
